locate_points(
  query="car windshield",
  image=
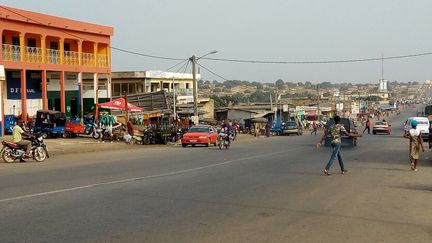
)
(199, 129)
(380, 123)
(422, 122)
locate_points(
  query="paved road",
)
(261, 190)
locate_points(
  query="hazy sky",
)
(271, 30)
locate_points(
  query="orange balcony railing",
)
(11, 53)
(52, 56)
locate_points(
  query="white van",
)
(422, 125)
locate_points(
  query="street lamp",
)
(194, 59)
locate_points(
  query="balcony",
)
(33, 54)
(11, 53)
(52, 56)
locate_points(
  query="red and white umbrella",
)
(119, 104)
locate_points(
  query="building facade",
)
(151, 81)
(49, 58)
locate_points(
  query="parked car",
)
(422, 124)
(200, 134)
(381, 127)
(349, 126)
(292, 127)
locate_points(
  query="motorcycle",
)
(223, 140)
(149, 137)
(11, 151)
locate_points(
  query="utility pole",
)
(319, 99)
(126, 107)
(174, 101)
(195, 88)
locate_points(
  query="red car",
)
(381, 127)
(200, 134)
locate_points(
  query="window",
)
(15, 41)
(66, 46)
(116, 91)
(53, 45)
(31, 42)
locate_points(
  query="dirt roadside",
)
(62, 146)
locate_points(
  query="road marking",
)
(141, 178)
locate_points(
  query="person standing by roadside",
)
(314, 127)
(416, 142)
(368, 124)
(335, 132)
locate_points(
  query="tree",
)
(300, 84)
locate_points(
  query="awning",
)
(119, 104)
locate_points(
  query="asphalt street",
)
(260, 190)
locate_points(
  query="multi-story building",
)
(152, 81)
(49, 57)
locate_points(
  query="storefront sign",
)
(13, 86)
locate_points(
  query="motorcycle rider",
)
(17, 133)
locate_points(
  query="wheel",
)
(184, 145)
(39, 154)
(96, 135)
(65, 135)
(7, 157)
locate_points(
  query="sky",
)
(272, 30)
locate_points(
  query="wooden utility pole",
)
(126, 107)
(195, 92)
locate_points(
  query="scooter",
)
(12, 151)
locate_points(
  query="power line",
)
(83, 39)
(210, 71)
(177, 64)
(240, 60)
(319, 62)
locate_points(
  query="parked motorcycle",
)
(149, 137)
(12, 152)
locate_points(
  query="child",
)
(416, 142)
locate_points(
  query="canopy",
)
(119, 104)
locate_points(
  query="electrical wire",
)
(83, 39)
(319, 62)
(241, 60)
(177, 64)
(210, 71)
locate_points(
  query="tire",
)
(39, 154)
(184, 145)
(96, 135)
(7, 157)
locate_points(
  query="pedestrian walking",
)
(368, 124)
(314, 127)
(335, 132)
(416, 142)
